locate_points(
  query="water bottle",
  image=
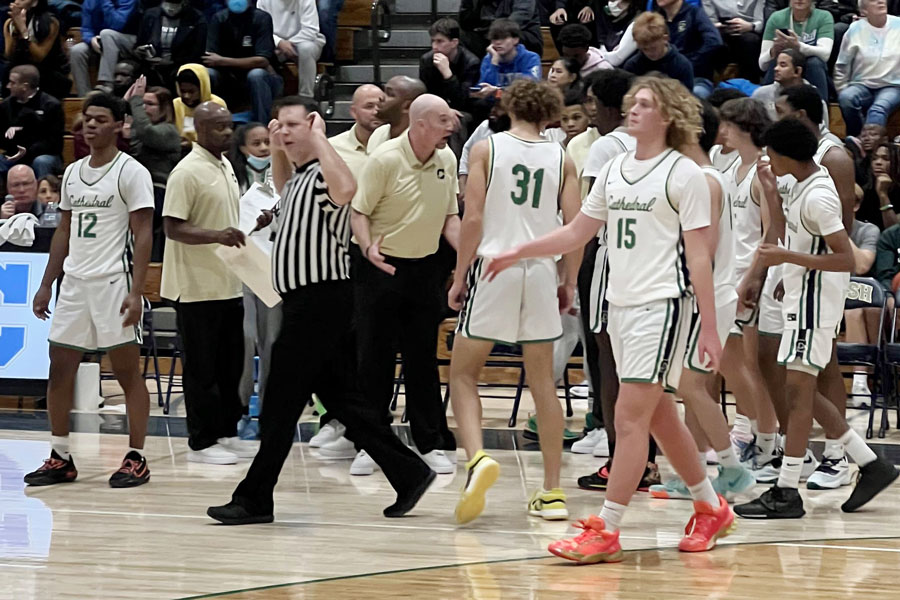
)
(50, 217)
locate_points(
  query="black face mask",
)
(499, 124)
(172, 9)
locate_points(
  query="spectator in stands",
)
(251, 157)
(476, 18)
(192, 83)
(574, 120)
(789, 68)
(399, 93)
(843, 13)
(656, 53)
(614, 25)
(506, 59)
(881, 192)
(575, 42)
(867, 72)
(156, 144)
(32, 36)
(571, 12)
(171, 35)
(352, 144)
(328, 23)
(741, 24)
(564, 73)
(124, 76)
(108, 28)
(449, 70)
(297, 38)
(804, 28)
(32, 124)
(694, 36)
(48, 190)
(241, 58)
(21, 184)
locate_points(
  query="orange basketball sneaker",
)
(706, 526)
(595, 544)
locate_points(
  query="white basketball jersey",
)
(645, 247)
(786, 182)
(101, 200)
(724, 278)
(523, 188)
(812, 299)
(746, 219)
(722, 160)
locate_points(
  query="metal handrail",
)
(380, 31)
(324, 92)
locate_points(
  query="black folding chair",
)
(867, 293)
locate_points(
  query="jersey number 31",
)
(523, 182)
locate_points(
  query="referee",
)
(315, 352)
(406, 200)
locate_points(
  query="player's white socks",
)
(741, 428)
(60, 445)
(833, 449)
(766, 443)
(789, 477)
(857, 449)
(702, 456)
(754, 428)
(704, 492)
(612, 514)
(728, 458)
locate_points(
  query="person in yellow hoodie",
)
(192, 84)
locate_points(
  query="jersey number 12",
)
(86, 222)
(523, 182)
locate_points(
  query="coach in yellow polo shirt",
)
(352, 144)
(405, 201)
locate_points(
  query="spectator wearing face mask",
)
(171, 34)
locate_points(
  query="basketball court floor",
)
(330, 541)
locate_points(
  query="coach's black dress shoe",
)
(236, 514)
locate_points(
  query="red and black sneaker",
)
(596, 481)
(133, 472)
(54, 470)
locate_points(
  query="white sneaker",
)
(339, 448)
(831, 474)
(711, 457)
(582, 390)
(439, 463)
(238, 447)
(602, 447)
(768, 472)
(329, 432)
(860, 395)
(363, 464)
(587, 444)
(214, 455)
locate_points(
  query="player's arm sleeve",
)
(823, 212)
(179, 195)
(688, 193)
(370, 188)
(136, 186)
(594, 204)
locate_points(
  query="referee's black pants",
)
(315, 353)
(405, 307)
(212, 338)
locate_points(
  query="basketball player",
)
(103, 246)
(816, 274)
(517, 183)
(698, 384)
(657, 207)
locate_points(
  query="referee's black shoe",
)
(775, 503)
(870, 481)
(407, 501)
(237, 514)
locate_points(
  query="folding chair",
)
(867, 293)
(892, 382)
(166, 340)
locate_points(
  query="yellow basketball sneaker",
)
(481, 473)
(550, 506)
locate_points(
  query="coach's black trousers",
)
(403, 311)
(315, 353)
(212, 338)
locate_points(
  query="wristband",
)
(887, 207)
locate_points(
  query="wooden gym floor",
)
(85, 540)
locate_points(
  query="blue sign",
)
(23, 337)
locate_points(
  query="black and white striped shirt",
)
(313, 237)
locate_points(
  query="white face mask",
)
(616, 8)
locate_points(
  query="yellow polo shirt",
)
(203, 191)
(406, 201)
(379, 136)
(578, 150)
(350, 149)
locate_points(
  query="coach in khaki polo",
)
(200, 213)
(405, 201)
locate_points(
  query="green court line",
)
(507, 560)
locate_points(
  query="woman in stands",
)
(32, 36)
